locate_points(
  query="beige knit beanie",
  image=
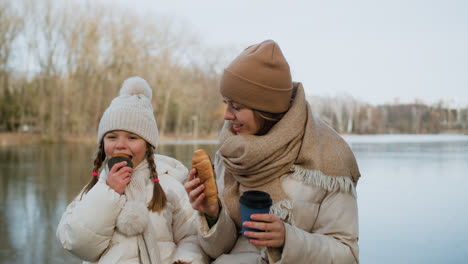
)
(131, 111)
(259, 78)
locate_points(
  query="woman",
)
(272, 142)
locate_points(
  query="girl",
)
(132, 215)
(272, 142)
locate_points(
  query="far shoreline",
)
(8, 139)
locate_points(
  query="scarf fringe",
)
(283, 210)
(329, 183)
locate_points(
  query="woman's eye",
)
(110, 137)
(235, 107)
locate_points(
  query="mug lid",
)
(256, 199)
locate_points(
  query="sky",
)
(375, 51)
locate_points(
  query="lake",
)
(412, 197)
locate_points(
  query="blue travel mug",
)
(254, 202)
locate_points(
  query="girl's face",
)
(119, 141)
(243, 120)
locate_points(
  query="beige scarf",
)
(299, 144)
(134, 220)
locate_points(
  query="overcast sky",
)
(372, 50)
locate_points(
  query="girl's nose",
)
(121, 144)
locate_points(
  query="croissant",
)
(202, 162)
(119, 157)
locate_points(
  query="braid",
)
(98, 160)
(159, 200)
(151, 163)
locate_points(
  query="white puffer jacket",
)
(321, 225)
(87, 228)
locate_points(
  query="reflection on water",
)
(184, 152)
(412, 201)
(37, 183)
(412, 198)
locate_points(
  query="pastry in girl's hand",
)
(202, 162)
(119, 157)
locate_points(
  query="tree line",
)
(61, 65)
(347, 115)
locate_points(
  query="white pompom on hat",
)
(135, 86)
(131, 111)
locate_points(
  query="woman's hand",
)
(119, 176)
(197, 198)
(274, 234)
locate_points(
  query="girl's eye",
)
(110, 136)
(132, 137)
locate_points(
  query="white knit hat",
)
(131, 111)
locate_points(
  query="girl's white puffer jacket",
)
(87, 228)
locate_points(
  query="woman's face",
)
(243, 120)
(119, 141)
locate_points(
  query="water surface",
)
(412, 197)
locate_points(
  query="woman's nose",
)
(228, 115)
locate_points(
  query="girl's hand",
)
(197, 198)
(274, 234)
(119, 176)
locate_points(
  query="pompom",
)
(136, 85)
(133, 218)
